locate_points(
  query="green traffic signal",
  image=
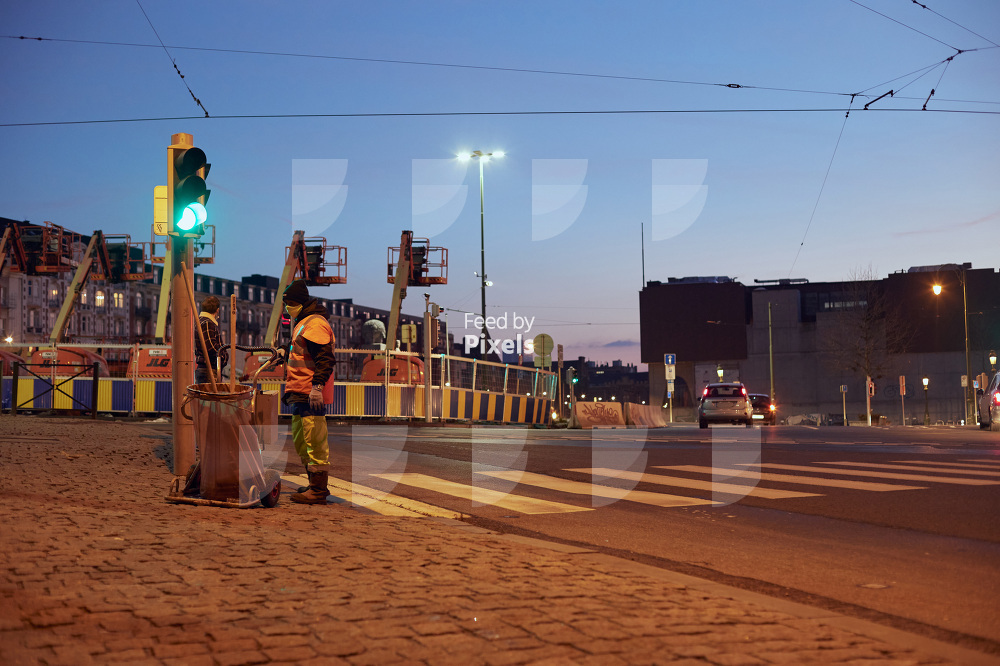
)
(193, 216)
(187, 191)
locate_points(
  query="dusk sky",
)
(712, 135)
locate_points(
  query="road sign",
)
(670, 386)
(543, 361)
(670, 359)
(543, 344)
(843, 388)
(671, 373)
(409, 332)
(160, 210)
(965, 381)
(902, 385)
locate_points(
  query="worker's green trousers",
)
(309, 434)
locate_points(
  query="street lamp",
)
(718, 371)
(967, 400)
(483, 158)
(993, 361)
(927, 414)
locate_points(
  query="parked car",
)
(989, 405)
(764, 410)
(725, 403)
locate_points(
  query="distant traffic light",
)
(571, 375)
(186, 190)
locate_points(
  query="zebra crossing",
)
(503, 487)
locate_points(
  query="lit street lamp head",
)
(936, 289)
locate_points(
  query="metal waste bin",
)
(230, 464)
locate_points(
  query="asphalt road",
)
(897, 524)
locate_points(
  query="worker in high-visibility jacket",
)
(309, 388)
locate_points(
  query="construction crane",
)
(307, 258)
(109, 258)
(414, 263)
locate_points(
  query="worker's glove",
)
(316, 398)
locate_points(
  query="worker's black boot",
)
(316, 492)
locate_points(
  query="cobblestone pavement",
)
(95, 567)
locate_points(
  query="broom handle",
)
(232, 343)
(201, 335)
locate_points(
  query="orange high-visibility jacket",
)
(302, 369)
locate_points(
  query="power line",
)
(172, 61)
(909, 27)
(422, 63)
(952, 22)
(737, 86)
(821, 188)
(438, 114)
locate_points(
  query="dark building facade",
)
(804, 342)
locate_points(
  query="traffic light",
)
(571, 377)
(186, 190)
(871, 388)
(435, 333)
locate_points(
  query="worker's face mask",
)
(293, 310)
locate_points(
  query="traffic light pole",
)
(182, 342)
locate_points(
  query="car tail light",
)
(996, 398)
(704, 393)
(744, 389)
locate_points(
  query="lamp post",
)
(966, 399)
(993, 361)
(483, 158)
(927, 414)
(718, 371)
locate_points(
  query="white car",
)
(725, 403)
(989, 405)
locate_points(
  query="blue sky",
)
(707, 185)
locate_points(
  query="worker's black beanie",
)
(296, 292)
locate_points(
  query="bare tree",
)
(867, 327)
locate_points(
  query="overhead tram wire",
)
(734, 86)
(521, 70)
(908, 27)
(172, 61)
(954, 23)
(821, 188)
(438, 114)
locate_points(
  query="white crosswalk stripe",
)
(727, 472)
(969, 465)
(743, 480)
(696, 484)
(921, 468)
(981, 461)
(377, 501)
(596, 490)
(882, 475)
(529, 505)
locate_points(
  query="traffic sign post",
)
(843, 392)
(902, 396)
(670, 366)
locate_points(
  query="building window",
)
(83, 298)
(119, 299)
